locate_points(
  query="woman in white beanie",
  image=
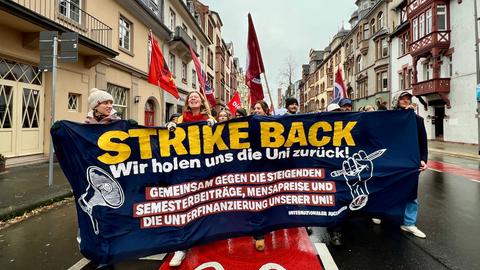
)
(101, 111)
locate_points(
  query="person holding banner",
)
(223, 116)
(261, 108)
(241, 112)
(404, 102)
(196, 109)
(101, 111)
(291, 104)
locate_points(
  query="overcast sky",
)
(284, 28)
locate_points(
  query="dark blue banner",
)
(142, 190)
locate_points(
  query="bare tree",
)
(287, 75)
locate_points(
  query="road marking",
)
(325, 256)
(470, 174)
(80, 264)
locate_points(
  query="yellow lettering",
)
(296, 135)
(210, 140)
(194, 139)
(313, 134)
(269, 131)
(341, 132)
(122, 150)
(143, 135)
(236, 135)
(166, 142)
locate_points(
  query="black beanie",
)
(289, 101)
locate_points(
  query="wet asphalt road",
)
(449, 214)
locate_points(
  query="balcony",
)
(364, 46)
(434, 86)
(437, 39)
(67, 15)
(181, 43)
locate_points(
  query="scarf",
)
(188, 117)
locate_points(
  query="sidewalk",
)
(469, 151)
(24, 188)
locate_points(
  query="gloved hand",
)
(132, 122)
(171, 126)
(211, 122)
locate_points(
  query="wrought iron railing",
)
(68, 14)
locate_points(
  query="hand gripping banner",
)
(142, 190)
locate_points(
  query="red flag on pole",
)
(254, 64)
(159, 74)
(202, 80)
(234, 103)
(339, 90)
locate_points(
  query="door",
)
(8, 118)
(439, 116)
(149, 114)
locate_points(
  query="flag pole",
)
(268, 89)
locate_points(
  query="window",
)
(184, 72)
(401, 46)
(184, 27)
(173, 19)
(401, 81)
(442, 17)
(30, 108)
(70, 9)
(450, 66)
(421, 26)
(384, 47)
(120, 99)
(202, 52)
(210, 58)
(366, 32)
(380, 20)
(428, 22)
(427, 72)
(73, 102)
(124, 34)
(407, 42)
(194, 78)
(372, 26)
(172, 64)
(359, 64)
(194, 41)
(415, 29)
(382, 81)
(409, 78)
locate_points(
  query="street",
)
(448, 215)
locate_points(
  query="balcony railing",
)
(154, 7)
(181, 35)
(71, 16)
(433, 86)
(435, 39)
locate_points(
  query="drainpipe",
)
(477, 65)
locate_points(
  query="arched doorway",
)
(150, 113)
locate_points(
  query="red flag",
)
(339, 90)
(254, 64)
(235, 103)
(159, 74)
(202, 80)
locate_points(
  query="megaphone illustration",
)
(102, 190)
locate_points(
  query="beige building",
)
(113, 55)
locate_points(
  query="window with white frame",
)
(184, 72)
(120, 99)
(384, 47)
(184, 27)
(380, 20)
(366, 32)
(70, 9)
(427, 71)
(415, 29)
(428, 22)
(171, 63)
(421, 25)
(73, 102)
(442, 17)
(382, 81)
(124, 34)
(401, 81)
(173, 20)
(359, 64)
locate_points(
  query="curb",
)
(14, 211)
(455, 154)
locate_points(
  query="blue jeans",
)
(410, 215)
